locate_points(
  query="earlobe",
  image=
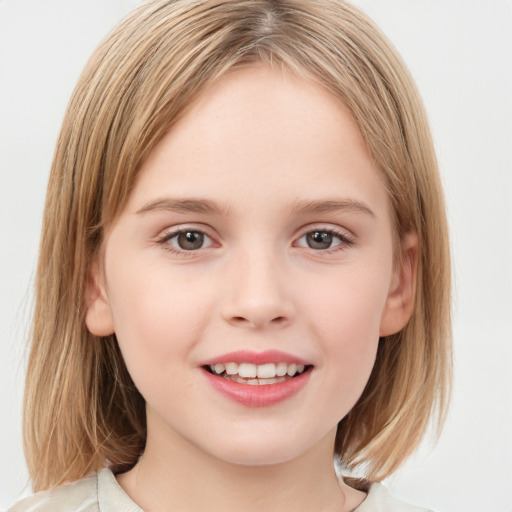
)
(98, 317)
(402, 292)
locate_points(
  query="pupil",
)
(190, 240)
(319, 240)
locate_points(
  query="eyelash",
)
(167, 237)
(345, 240)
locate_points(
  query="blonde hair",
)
(82, 410)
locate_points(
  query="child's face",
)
(258, 224)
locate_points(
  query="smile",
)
(257, 379)
(257, 375)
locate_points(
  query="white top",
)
(102, 493)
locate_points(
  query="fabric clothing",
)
(102, 493)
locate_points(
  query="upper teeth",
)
(261, 371)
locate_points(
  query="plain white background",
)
(460, 52)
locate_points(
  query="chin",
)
(264, 451)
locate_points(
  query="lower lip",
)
(258, 395)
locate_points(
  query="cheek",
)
(345, 315)
(157, 319)
(349, 304)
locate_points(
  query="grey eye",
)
(190, 240)
(186, 240)
(322, 239)
(319, 240)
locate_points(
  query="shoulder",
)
(380, 499)
(93, 494)
(80, 496)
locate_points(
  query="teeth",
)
(247, 370)
(281, 369)
(251, 372)
(266, 371)
(255, 382)
(292, 369)
(231, 368)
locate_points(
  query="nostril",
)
(277, 321)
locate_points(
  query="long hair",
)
(82, 410)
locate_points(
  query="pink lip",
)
(245, 356)
(257, 396)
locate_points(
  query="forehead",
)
(259, 132)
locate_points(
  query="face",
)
(251, 274)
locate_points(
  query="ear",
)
(402, 291)
(98, 317)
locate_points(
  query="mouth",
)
(257, 374)
(257, 379)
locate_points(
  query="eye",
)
(323, 239)
(186, 240)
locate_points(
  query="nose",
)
(259, 294)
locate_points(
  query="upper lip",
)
(265, 357)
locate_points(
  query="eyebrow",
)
(183, 206)
(330, 206)
(210, 207)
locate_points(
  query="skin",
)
(266, 149)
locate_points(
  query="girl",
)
(244, 268)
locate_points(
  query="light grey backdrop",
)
(460, 52)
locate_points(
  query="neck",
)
(175, 475)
